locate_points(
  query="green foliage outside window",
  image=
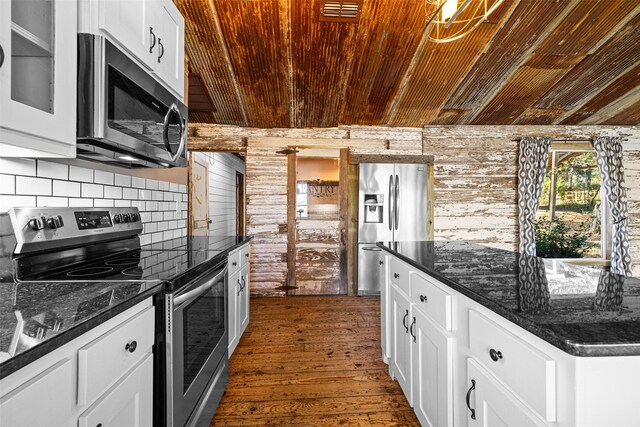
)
(557, 239)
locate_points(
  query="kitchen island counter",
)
(583, 311)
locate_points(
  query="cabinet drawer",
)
(399, 274)
(244, 255)
(431, 299)
(234, 262)
(103, 361)
(526, 370)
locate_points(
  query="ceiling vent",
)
(341, 10)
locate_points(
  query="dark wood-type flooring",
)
(312, 361)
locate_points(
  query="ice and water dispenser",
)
(373, 208)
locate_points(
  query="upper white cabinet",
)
(38, 78)
(152, 31)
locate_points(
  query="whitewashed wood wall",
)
(475, 179)
(222, 191)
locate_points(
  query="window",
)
(572, 222)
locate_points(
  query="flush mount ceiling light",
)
(449, 20)
(340, 10)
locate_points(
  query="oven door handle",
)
(165, 133)
(195, 293)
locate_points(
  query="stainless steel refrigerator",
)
(392, 206)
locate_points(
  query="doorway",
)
(239, 204)
(198, 195)
(318, 212)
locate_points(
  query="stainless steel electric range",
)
(71, 246)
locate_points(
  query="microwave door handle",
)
(195, 293)
(165, 132)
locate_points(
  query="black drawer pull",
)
(381, 262)
(131, 347)
(423, 298)
(153, 43)
(404, 323)
(473, 387)
(495, 354)
(396, 275)
(247, 255)
(411, 329)
(234, 263)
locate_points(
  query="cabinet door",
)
(132, 25)
(492, 405)
(401, 350)
(244, 300)
(169, 57)
(385, 306)
(232, 308)
(48, 399)
(432, 371)
(38, 78)
(128, 403)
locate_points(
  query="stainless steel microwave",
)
(125, 116)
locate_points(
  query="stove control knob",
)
(55, 222)
(126, 218)
(36, 223)
(135, 217)
(117, 218)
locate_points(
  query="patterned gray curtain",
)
(533, 287)
(532, 166)
(610, 292)
(609, 156)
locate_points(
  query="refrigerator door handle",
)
(396, 202)
(390, 201)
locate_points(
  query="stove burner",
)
(90, 271)
(121, 262)
(132, 271)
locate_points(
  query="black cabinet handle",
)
(246, 255)
(473, 387)
(161, 49)
(423, 298)
(1, 56)
(381, 262)
(404, 323)
(99, 425)
(153, 42)
(396, 275)
(234, 263)
(411, 329)
(495, 354)
(131, 347)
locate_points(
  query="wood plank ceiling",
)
(274, 63)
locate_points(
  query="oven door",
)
(198, 342)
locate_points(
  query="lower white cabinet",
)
(128, 403)
(238, 303)
(489, 404)
(400, 340)
(385, 305)
(113, 386)
(432, 371)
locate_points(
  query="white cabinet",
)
(38, 78)
(239, 293)
(488, 404)
(432, 371)
(152, 31)
(400, 340)
(97, 378)
(127, 403)
(385, 306)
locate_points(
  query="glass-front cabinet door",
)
(38, 78)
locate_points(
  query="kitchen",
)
(259, 91)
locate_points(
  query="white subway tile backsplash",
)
(152, 184)
(92, 190)
(16, 166)
(163, 185)
(156, 216)
(150, 227)
(7, 184)
(144, 194)
(33, 186)
(185, 197)
(167, 216)
(167, 235)
(52, 201)
(145, 239)
(112, 192)
(102, 177)
(152, 206)
(103, 203)
(66, 188)
(122, 180)
(8, 202)
(130, 193)
(163, 206)
(138, 182)
(168, 196)
(77, 173)
(162, 226)
(122, 203)
(182, 188)
(174, 187)
(157, 195)
(139, 204)
(47, 169)
(145, 216)
(82, 203)
(156, 237)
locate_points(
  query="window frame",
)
(605, 214)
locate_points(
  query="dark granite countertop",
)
(36, 317)
(583, 311)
